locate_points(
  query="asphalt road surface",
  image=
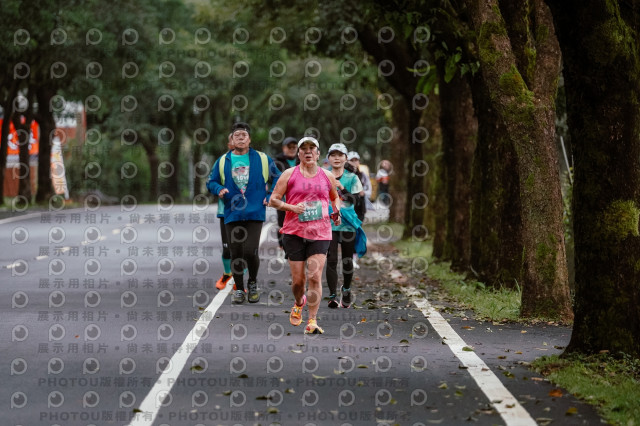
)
(111, 316)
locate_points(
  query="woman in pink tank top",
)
(307, 228)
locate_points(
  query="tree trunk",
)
(154, 162)
(600, 45)
(174, 159)
(403, 55)
(459, 130)
(399, 151)
(198, 181)
(24, 170)
(439, 209)
(4, 145)
(415, 180)
(495, 214)
(47, 125)
(524, 97)
(436, 209)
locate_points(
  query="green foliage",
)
(610, 383)
(101, 166)
(451, 65)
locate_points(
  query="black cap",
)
(289, 140)
(240, 125)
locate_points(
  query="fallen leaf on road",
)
(571, 411)
(443, 386)
(556, 393)
(523, 331)
(467, 349)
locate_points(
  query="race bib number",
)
(312, 211)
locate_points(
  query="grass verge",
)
(487, 302)
(611, 384)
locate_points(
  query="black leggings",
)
(281, 214)
(226, 251)
(244, 241)
(347, 241)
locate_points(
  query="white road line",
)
(502, 400)
(19, 218)
(14, 264)
(153, 402)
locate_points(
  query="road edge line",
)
(511, 411)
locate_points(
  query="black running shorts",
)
(299, 249)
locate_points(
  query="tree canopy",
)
(461, 96)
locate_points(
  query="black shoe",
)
(253, 296)
(333, 303)
(238, 297)
(345, 299)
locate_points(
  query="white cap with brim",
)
(352, 154)
(337, 147)
(310, 140)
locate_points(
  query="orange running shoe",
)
(222, 282)
(295, 318)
